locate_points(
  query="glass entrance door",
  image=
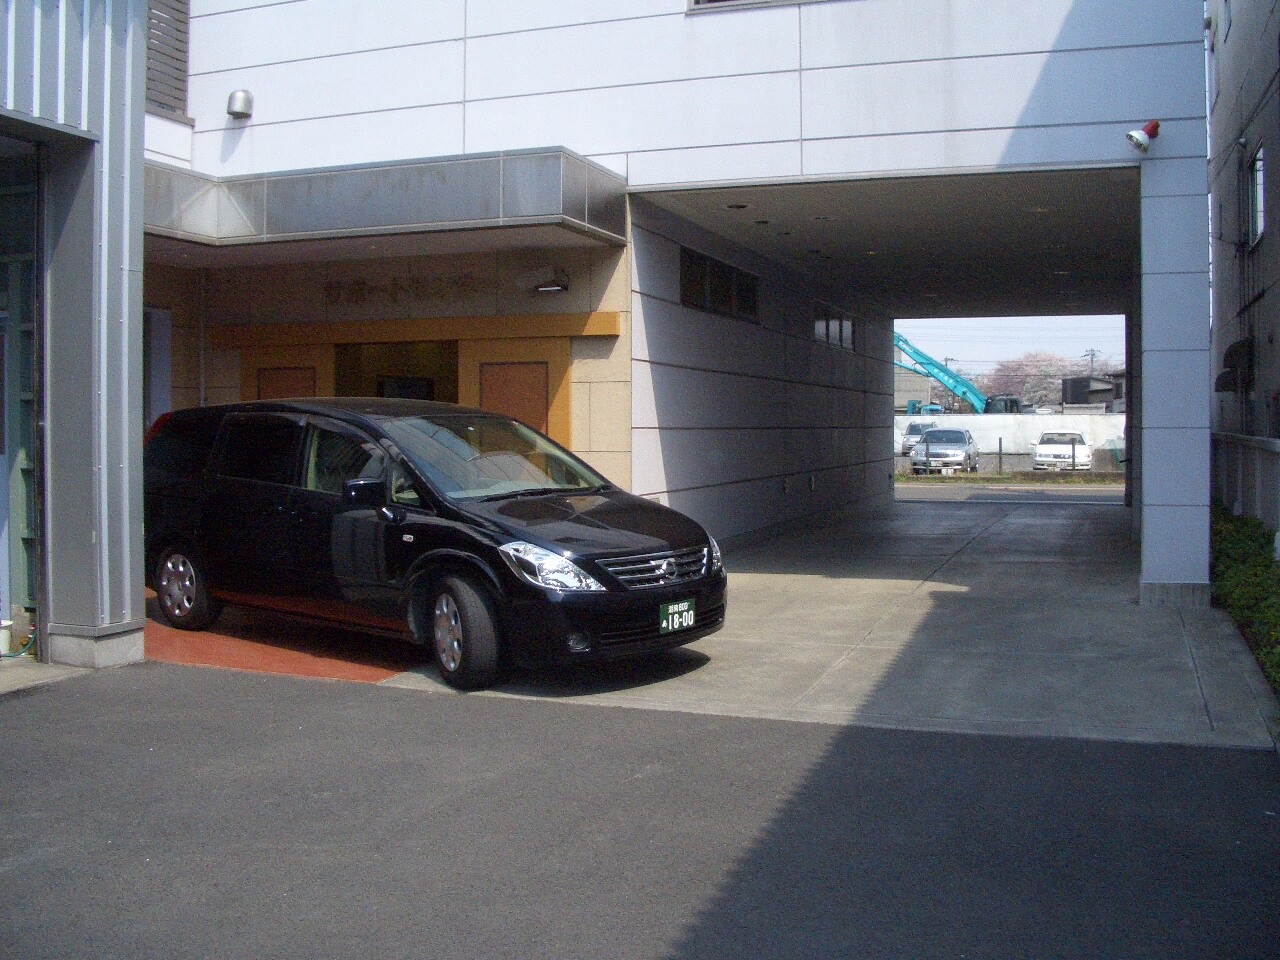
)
(18, 348)
(19, 502)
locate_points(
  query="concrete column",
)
(1176, 375)
(90, 594)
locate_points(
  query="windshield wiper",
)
(545, 492)
(528, 492)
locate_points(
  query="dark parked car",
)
(458, 529)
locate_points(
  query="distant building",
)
(1093, 390)
(908, 386)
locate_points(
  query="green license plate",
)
(676, 616)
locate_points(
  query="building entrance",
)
(19, 503)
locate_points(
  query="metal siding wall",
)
(122, 358)
(72, 97)
(95, 87)
(48, 61)
(21, 56)
(6, 17)
(72, 511)
(92, 338)
(51, 51)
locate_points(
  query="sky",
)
(977, 345)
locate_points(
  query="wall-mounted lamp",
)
(1141, 139)
(546, 279)
(240, 104)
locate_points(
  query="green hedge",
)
(1246, 583)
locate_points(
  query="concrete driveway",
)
(961, 609)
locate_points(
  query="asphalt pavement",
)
(900, 746)
(162, 811)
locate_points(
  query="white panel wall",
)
(951, 29)
(692, 113)
(658, 50)
(231, 36)
(503, 16)
(671, 96)
(167, 141)
(322, 87)
(333, 82)
(747, 425)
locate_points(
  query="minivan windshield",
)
(479, 456)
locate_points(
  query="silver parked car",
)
(912, 435)
(942, 450)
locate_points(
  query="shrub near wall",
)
(1246, 583)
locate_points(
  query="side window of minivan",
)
(261, 447)
(403, 490)
(334, 458)
(178, 448)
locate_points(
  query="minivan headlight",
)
(543, 568)
(714, 561)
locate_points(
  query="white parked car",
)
(1061, 451)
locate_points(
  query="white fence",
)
(1014, 433)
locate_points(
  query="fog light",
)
(578, 643)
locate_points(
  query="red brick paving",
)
(264, 642)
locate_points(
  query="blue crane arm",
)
(929, 367)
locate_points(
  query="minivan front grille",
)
(658, 569)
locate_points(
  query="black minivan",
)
(452, 527)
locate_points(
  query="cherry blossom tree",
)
(1037, 377)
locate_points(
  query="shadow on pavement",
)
(898, 845)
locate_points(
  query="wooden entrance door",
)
(519, 390)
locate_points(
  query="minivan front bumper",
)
(552, 627)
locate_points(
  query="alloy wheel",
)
(178, 586)
(448, 632)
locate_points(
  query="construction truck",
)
(925, 365)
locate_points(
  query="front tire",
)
(464, 638)
(183, 591)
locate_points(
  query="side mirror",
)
(368, 492)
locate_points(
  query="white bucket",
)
(6, 635)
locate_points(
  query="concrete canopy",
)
(548, 198)
(1046, 242)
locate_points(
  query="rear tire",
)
(464, 637)
(183, 590)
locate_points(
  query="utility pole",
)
(1091, 354)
